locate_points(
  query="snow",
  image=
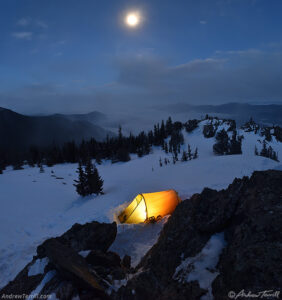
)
(36, 206)
(117, 284)
(38, 267)
(202, 266)
(143, 235)
(84, 253)
(38, 289)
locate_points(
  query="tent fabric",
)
(150, 205)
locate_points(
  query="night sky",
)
(79, 56)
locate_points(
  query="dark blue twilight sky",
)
(78, 55)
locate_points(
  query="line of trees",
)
(115, 148)
(267, 152)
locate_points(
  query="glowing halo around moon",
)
(132, 19)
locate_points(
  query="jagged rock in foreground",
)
(89, 236)
(70, 273)
(249, 212)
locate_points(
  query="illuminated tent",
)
(150, 207)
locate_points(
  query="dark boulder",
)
(107, 260)
(71, 265)
(252, 259)
(248, 212)
(22, 284)
(89, 236)
(72, 269)
(126, 261)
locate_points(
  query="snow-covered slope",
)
(35, 206)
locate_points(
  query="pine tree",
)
(270, 152)
(89, 182)
(160, 162)
(235, 146)
(263, 151)
(123, 154)
(275, 156)
(165, 147)
(195, 155)
(41, 169)
(267, 134)
(184, 156)
(80, 184)
(18, 164)
(168, 126)
(222, 145)
(209, 131)
(189, 153)
(98, 182)
(170, 147)
(98, 160)
(94, 183)
(119, 133)
(162, 131)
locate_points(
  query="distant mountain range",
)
(264, 114)
(21, 131)
(17, 130)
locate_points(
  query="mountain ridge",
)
(18, 130)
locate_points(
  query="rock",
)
(90, 236)
(126, 261)
(66, 291)
(75, 276)
(106, 260)
(248, 212)
(71, 265)
(252, 259)
(181, 292)
(22, 284)
(118, 274)
(106, 264)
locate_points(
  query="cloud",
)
(203, 22)
(23, 22)
(28, 21)
(249, 75)
(23, 35)
(42, 24)
(245, 75)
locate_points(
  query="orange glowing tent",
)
(150, 207)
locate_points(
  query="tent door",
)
(139, 213)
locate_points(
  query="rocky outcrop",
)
(73, 274)
(71, 265)
(22, 284)
(248, 212)
(252, 259)
(90, 236)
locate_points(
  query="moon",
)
(132, 19)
